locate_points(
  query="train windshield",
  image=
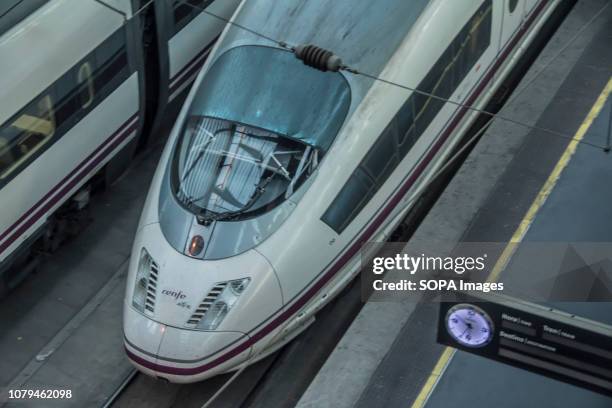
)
(271, 89)
(258, 125)
(228, 171)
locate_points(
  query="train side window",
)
(7, 156)
(66, 102)
(112, 65)
(86, 85)
(182, 13)
(472, 42)
(63, 104)
(27, 133)
(352, 198)
(112, 52)
(381, 160)
(426, 106)
(445, 85)
(109, 48)
(480, 33)
(406, 132)
(461, 60)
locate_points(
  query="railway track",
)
(124, 384)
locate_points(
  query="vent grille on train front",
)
(151, 289)
(203, 307)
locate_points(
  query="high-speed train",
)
(82, 83)
(277, 172)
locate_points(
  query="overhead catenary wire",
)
(356, 71)
(467, 144)
(481, 111)
(123, 13)
(273, 40)
(519, 91)
(125, 16)
(511, 99)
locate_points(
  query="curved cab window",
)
(228, 171)
(257, 127)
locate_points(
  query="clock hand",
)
(467, 324)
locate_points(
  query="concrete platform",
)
(389, 353)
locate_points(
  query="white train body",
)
(74, 98)
(193, 38)
(208, 291)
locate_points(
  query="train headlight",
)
(139, 297)
(223, 304)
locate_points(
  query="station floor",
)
(577, 209)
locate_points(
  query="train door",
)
(133, 34)
(145, 50)
(513, 12)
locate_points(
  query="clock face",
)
(469, 325)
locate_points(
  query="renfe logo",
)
(175, 294)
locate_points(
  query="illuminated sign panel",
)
(529, 336)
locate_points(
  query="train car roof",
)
(364, 33)
(12, 12)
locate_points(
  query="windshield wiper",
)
(191, 198)
(259, 190)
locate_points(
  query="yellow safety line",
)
(519, 234)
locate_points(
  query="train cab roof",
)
(365, 34)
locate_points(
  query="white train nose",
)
(181, 355)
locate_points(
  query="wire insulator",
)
(318, 58)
